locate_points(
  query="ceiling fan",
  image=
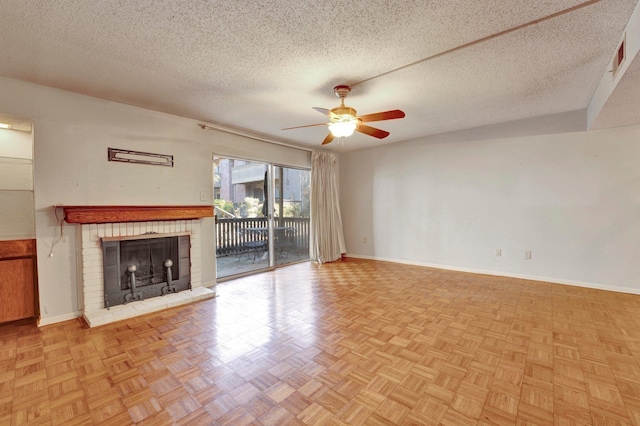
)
(344, 121)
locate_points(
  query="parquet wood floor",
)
(348, 343)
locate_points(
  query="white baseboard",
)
(58, 318)
(596, 286)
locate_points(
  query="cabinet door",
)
(17, 298)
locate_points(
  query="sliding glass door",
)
(262, 215)
(291, 215)
(242, 226)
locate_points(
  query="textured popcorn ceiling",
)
(261, 65)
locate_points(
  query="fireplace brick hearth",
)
(91, 263)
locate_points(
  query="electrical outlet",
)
(527, 254)
(203, 196)
(364, 240)
(499, 253)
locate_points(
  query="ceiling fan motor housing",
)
(343, 112)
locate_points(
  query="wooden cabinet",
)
(18, 289)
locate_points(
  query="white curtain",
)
(326, 237)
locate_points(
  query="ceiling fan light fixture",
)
(344, 120)
(342, 129)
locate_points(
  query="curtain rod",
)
(250, 136)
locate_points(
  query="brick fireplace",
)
(106, 223)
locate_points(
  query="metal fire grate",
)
(142, 268)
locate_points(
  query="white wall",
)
(573, 199)
(72, 134)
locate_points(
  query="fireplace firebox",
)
(145, 266)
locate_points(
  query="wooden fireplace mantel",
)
(116, 214)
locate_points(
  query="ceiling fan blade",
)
(308, 125)
(379, 116)
(328, 139)
(372, 131)
(324, 111)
